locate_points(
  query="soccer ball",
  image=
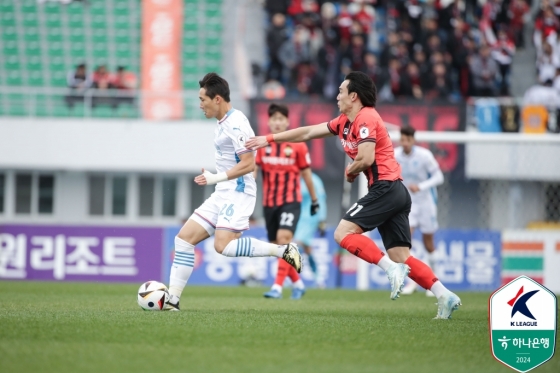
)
(152, 296)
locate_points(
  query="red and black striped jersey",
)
(280, 166)
(368, 126)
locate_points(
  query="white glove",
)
(212, 179)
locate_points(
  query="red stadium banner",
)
(435, 117)
(161, 59)
(423, 116)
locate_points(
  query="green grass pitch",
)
(78, 327)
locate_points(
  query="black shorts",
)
(386, 207)
(281, 217)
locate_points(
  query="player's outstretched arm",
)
(246, 165)
(301, 134)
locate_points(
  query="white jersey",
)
(420, 168)
(229, 140)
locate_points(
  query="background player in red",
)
(281, 166)
(387, 204)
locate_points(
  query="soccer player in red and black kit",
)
(281, 166)
(387, 204)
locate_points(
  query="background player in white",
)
(226, 212)
(421, 174)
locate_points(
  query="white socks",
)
(385, 262)
(438, 289)
(247, 246)
(296, 285)
(182, 267)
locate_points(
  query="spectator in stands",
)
(411, 82)
(390, 50)
(547, 62)
(102, 82)
(427, 33)
(414, 12)
(420, 61)
(542, 94)
(374, 71)
(277, 6)
(518, 10)
(126, 82)
(439, 86)
(355, 52)
(556, 81)
(546, 29)
(78, 81)
(276, 36)
(503, 51)
(395, 76)
(484, 70)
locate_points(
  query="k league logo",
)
(519, 304)
(522, 319)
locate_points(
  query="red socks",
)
(421, 273)
(363, 247)
(284, 269)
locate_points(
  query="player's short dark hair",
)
(408, 131)
(278, 108)
(215, 85)
(361, 84)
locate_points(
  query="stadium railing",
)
(90, 103)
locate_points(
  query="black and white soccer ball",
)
(152, 296)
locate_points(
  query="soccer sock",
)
(299, 284)
(438, 289)
(247, 246)
(182, 266)
(283, 270)
(366, 249)
(312, 263)
(421, 273)
(292, 273)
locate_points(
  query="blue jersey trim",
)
(240, 180)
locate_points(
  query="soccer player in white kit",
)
(421, 174)
(226, 212)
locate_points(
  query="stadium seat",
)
(41, 42)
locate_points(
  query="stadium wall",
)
(468, 260)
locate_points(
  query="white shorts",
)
(423, 215)
(225, 209)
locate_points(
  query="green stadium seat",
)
(13, 78)
(97, 8)
(34, 64)
(51, 8)
(11, 48)
(7, 19)
(103, 112)
(6, 7)
(35, 79)
(31, 34)
(52, 22)
(54, 34)
(77, 49)
(32, 48)
(75, 9)
(8, 33)
(55, 49)
(28, 6)
(11, 63)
